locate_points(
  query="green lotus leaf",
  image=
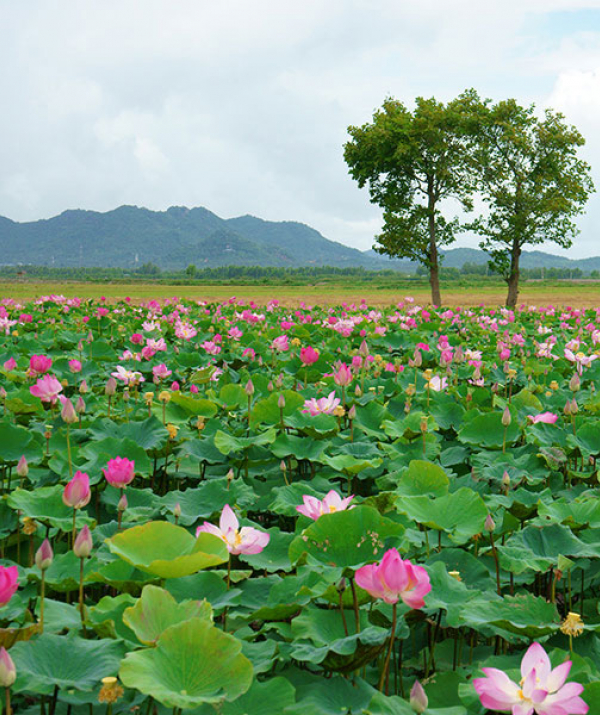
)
(423, 478)
(267, 411)
(194, 406)
(167, 550)
(486, 429)
(193, 663)
(157, 610)
(270, 697)
(348, 538)
(229, 444)
(106, 618)
(45, 504)
(16, 442)
(149, 434)
(460, 514)
(66, 662)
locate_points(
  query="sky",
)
(242, 106)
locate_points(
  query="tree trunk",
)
(513, 277)
(434, 268)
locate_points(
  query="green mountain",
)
(130, 236)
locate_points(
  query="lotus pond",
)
(226, 508)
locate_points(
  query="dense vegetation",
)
(253, 510)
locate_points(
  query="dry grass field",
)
(580, 294)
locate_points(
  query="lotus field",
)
(240, 509)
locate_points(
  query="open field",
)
(580, 294)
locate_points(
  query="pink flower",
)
(313, 508)
(548, 418)
(119, 472)
(77, 493)
(74, 365)
(541, 690)
(437, 384)
(324, 406)
(394, 579)
(47, 389)
(10, 364)
(280, 344)
(211, 347)
(343, 375)
(249, 352)
(8, 583)
(39, 364)
(308, 356)
(137, 338)
(161, 372)
(129, 377)
(246, 540)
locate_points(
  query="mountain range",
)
(130, 236)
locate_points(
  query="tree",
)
(531, 179)
(412, 162)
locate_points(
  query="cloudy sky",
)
(242, 106)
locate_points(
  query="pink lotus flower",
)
(394, 579)
(246, 540)
(308, 356)
(47, 389)
(129, 377)
(313, 508)
(8, 583)
(280, 344)
(119, 472)
(548, 418)
(10, 364)
(39, 364)
(77, 493)
(75, 366)
(343, 375)
(211, 347)
(580, 359)
(541, 690)
(437, 384)
(161, 372)
(324, 406)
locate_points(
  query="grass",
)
(579, 294)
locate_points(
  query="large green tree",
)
(413, 162)
(530, 177)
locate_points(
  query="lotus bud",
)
(83, 387)
(281, 402)
(574, 407)
(68, 412)
(363, 350)
(567, 408)
(22, 467)
(575, 383)
(358, 391)
(177, 510)
(506, 418)
(80, 405)
(341, 585)
(417, 360)
(84, 543)
(122, 505)
(490, 524)
(270, 386)
(279, 381)
(111, 387)
(283, 466)
(230, 476)
(424, 425)
(418, 698)
(506, 479)
(44, 556)
(8, 672)
(249, 388)
(352, 413)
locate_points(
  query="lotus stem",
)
(69, 451)
(495, 554)
(386, 664)
(355, 604)
(81, 605)
(7, 697)
(42, 594)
